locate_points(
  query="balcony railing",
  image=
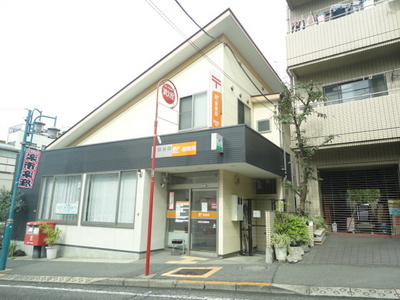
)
(392, 76)
(330, 13)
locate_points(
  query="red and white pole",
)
(170, 96)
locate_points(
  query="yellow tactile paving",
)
(187, 260)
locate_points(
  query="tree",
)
(5, 203)
(296, 105)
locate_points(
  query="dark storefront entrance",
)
(373, 218)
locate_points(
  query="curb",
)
(255, 287)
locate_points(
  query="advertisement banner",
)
(29, 168)
(216, 99)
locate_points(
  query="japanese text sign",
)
(29, 168)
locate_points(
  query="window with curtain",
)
(243, 114)
(110, 198)
(59, 197)
(193, 112)
(373, 86)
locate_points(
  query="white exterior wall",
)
(241, 86)
(85, 238)
(263, 111)
(229, 237)
(138, 120)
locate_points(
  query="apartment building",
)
(353, 49)
(219, 159)
(8, 156)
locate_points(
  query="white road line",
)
(147, 294)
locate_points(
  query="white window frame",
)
(196, 121)
(98, 215)
(48, 200)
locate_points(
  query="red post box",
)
(34, 236)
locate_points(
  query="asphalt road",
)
(39, 291)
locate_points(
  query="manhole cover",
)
(255, 268)
(192, 271)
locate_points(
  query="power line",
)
(193, 44)
(233, 53)
(171, 23)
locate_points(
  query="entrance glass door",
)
(203, 223)
(192, 217)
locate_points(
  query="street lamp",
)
(31, 126)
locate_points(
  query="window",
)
(374, 86)
(59, 197)
(110, 198)
(243, 114)
(264, 125)
(266, 186)
(193, 112)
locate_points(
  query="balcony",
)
(349, 36)
(373, 118)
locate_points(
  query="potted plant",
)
(52, 236)
(281, 242)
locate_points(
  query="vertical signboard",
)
(29, 168)
(216, 98)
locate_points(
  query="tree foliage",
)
(296, 105)
(5, 203)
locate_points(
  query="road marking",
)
(211, 271)
(187, 260)
(227, 282)
(149, 294)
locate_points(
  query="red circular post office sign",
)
(169, 95)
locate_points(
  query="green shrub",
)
(12, 248)
(319, 222)
(297, 230)
(292, 225)
(280, 240)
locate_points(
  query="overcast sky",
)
(66, 57)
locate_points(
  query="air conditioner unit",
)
(237, 208)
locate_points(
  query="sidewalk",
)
(343, 266)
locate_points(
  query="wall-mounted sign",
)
(29, 168)
(171, 200)
(203, 215)
(180, 149)
(216, 99)
(217, 142)
(67, 208)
